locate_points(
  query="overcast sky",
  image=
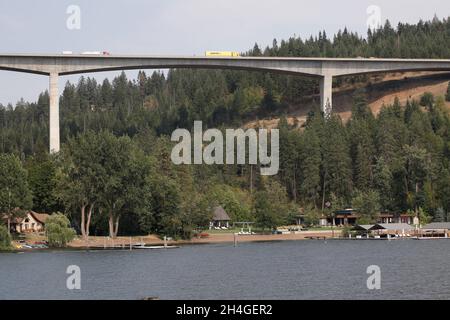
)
(177, 27)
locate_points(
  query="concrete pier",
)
(54, 113)
(326, 94)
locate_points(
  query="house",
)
(340, 217)
(350, 217)
(344, 217)
(408, 218)
(220, 219)
(31, 222)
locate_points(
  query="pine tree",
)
(337, 171)
(15, 195)
(309, 167)
(383, 184)
(447, 95)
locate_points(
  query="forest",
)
(114, 174)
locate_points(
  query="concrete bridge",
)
(322, 68)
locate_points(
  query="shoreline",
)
(123, 243)
(106, 243)
(152, 240)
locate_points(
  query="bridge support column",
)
(54, 113)
(326, 94)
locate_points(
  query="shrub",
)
(58, 230)
(5, 239)
(427, 99)
(447, 95)
(346, 231)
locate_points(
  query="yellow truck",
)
(222, 54)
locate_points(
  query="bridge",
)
(55, 65)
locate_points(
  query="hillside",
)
(381, 90)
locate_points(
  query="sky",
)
(176, 27)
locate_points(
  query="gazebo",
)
(220, 219)
(363, 229)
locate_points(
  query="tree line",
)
(114, 174)
(393, 162)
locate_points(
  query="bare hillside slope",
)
(380, 91)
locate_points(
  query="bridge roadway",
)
(55, 65)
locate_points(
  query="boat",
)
(142, 246)
(430, 238)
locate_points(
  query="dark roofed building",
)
(220, 219)
(408, 218)
(350, 217)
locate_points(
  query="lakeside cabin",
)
(31, 222)
(220, 219)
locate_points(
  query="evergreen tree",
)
(310, 166)
(367, 205)
(15, 195)
(337, 170)
(447, 94)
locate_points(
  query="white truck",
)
(96, 53)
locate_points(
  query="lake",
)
(310, 269)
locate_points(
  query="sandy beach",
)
(106, 242)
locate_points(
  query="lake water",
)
(310, 269)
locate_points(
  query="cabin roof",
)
(39, 217)
(219, 214)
